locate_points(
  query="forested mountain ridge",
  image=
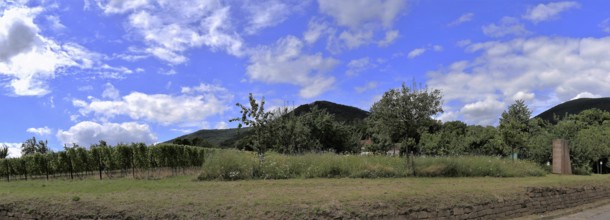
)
(227, 137)
(574, 107)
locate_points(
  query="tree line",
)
(101, 159)
(403, 118)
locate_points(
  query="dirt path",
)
(599, 213)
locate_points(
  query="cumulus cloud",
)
(87, 133)
(507, 26)
(358, 65)
(187, 109)
(483, 112)
(14, 149)
(285, 62)
(546, 70)
(543, 12)
(40, 131)
(462, 19)
(585, 95)
(30, 59)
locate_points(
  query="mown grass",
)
(184, 197)
(238, 165)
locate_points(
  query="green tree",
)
(30, 146)
(405, 113)
(3, 151)
(256, 118)
(514, 126)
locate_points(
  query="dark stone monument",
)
(561, 157)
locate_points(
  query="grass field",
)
(184, 197)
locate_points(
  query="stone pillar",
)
(561, 157)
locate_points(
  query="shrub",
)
(234, 165)
(471, 166)
(229, 165)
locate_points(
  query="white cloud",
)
(315, 30)
(462, 19)
(543, 12)
(416, 52)
(547, 70)
(87, 133)
(14, 149)
(483, 112)
(507, 26)
(188, 109)
(585, 95)
(437, 48)
(40, 131)
(523, 95)
(360, 21)
(30, 59)
(390, 36)
(169, 28)
(285, 62)
(357, 14)
(447, 116)
(358, 65)
(355, 39)
(368, 86)
(268, 13)
(120, 6)
(110, 92)
(222, 125)
(605, 25)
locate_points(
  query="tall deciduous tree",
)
(514, 125)
(404, 113)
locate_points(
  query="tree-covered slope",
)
(342, 113)
(573, 107)
(227, 137)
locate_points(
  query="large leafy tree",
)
(514, 125)
(405, 113)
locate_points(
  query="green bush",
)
(230, 165)
(471, 166)
(583, 170)
(235, 165)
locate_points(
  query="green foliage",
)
(405, 113)
(471, 166)
(514, 126)
(3, 152)
(258, 119)
(76, 160)
(236, 165)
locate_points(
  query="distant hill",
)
(342, 113)
(227, 137)
(216, 137)
(573, 107)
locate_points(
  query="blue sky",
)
(151, 70)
